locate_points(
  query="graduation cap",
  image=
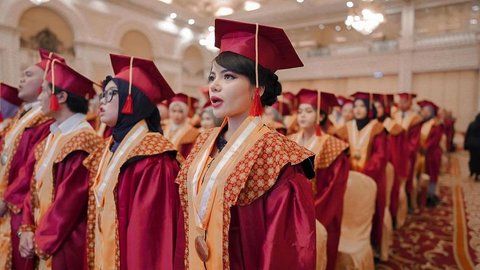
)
(342, 101)
(10, 94)
(191, 102)
(46, 58)
(266, 46)
(144, 75)
(290, 98)
(66, 78)
(425, 103)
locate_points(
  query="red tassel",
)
(256, 109)
(1, 117)
(318, 130)
(128, 107)
(54, 106)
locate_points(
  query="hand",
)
(26, 246)
(3, 208)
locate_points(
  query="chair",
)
(387, 230)
(355, 250)
(321, 240)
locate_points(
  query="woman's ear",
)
(62, 97)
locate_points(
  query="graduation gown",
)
(411, 123)
(140, 204)
(31, 127)
(368, 155)
(331, 175)
(431, 135)
(260, 208)
(56, 206)
(395, 144)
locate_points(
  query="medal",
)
(202, 248)
(4, 159)
(357, 155)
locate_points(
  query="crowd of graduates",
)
(128, 174)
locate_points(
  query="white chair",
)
(355, 250)
(321, 238)
(387, 230)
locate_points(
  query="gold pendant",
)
(4, 159)
(202, 248)
(357, 155)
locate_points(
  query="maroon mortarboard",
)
(266, 46)
(191, 102)
(343, 100)
(316, 98)
(46, 58)
(282, 107)
(10, 94)
(425, 103)
(275, 51)
(66, 78)
(144, 75)
(385, 99)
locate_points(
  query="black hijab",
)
(142, 109)
(371, 113)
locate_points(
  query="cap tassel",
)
(128, 107)
(318, 130)
(256, 109)
(54, 106)
(1, 117)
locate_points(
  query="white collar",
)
(28, 106)
(68, 125)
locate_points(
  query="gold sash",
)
(359, 144)
(206, 198)
(411, 118)
(425, 131)
(177, 136)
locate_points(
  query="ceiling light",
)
(476, 8)
(299, 1)
(39, 2)
(338, 28)
(191, 21)
(166, 1)
(321, 26)
(350, 4)
(251, 5)
(173, 15)
(223, 11)
(211, 28)
(473, 21)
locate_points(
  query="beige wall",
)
(454, 90)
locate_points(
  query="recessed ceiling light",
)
(223, 11)
(299, 1)
(191, 21)
(173, 15)
(321, 26)
(338, 28)
(473, 21)
(211, 28)
(350, 4)
(476, 8)
(166, 1)
(251, 5)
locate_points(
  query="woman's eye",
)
(228, 77)
(211, 78)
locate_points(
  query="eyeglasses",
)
(107, 96)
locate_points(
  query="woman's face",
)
(231, 94)
(30, 83)
(306, 116)
(379, 108)
(426, 112)
(177, 113)
(109, 110)
(268, 115)
(359, 110)
(347, 112)
(207, 120)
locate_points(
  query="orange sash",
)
(360, 142)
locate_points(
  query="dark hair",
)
(75, 103)
(323, 114)
(244, 66)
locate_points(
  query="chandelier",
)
(39, 2)
(365, 19)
